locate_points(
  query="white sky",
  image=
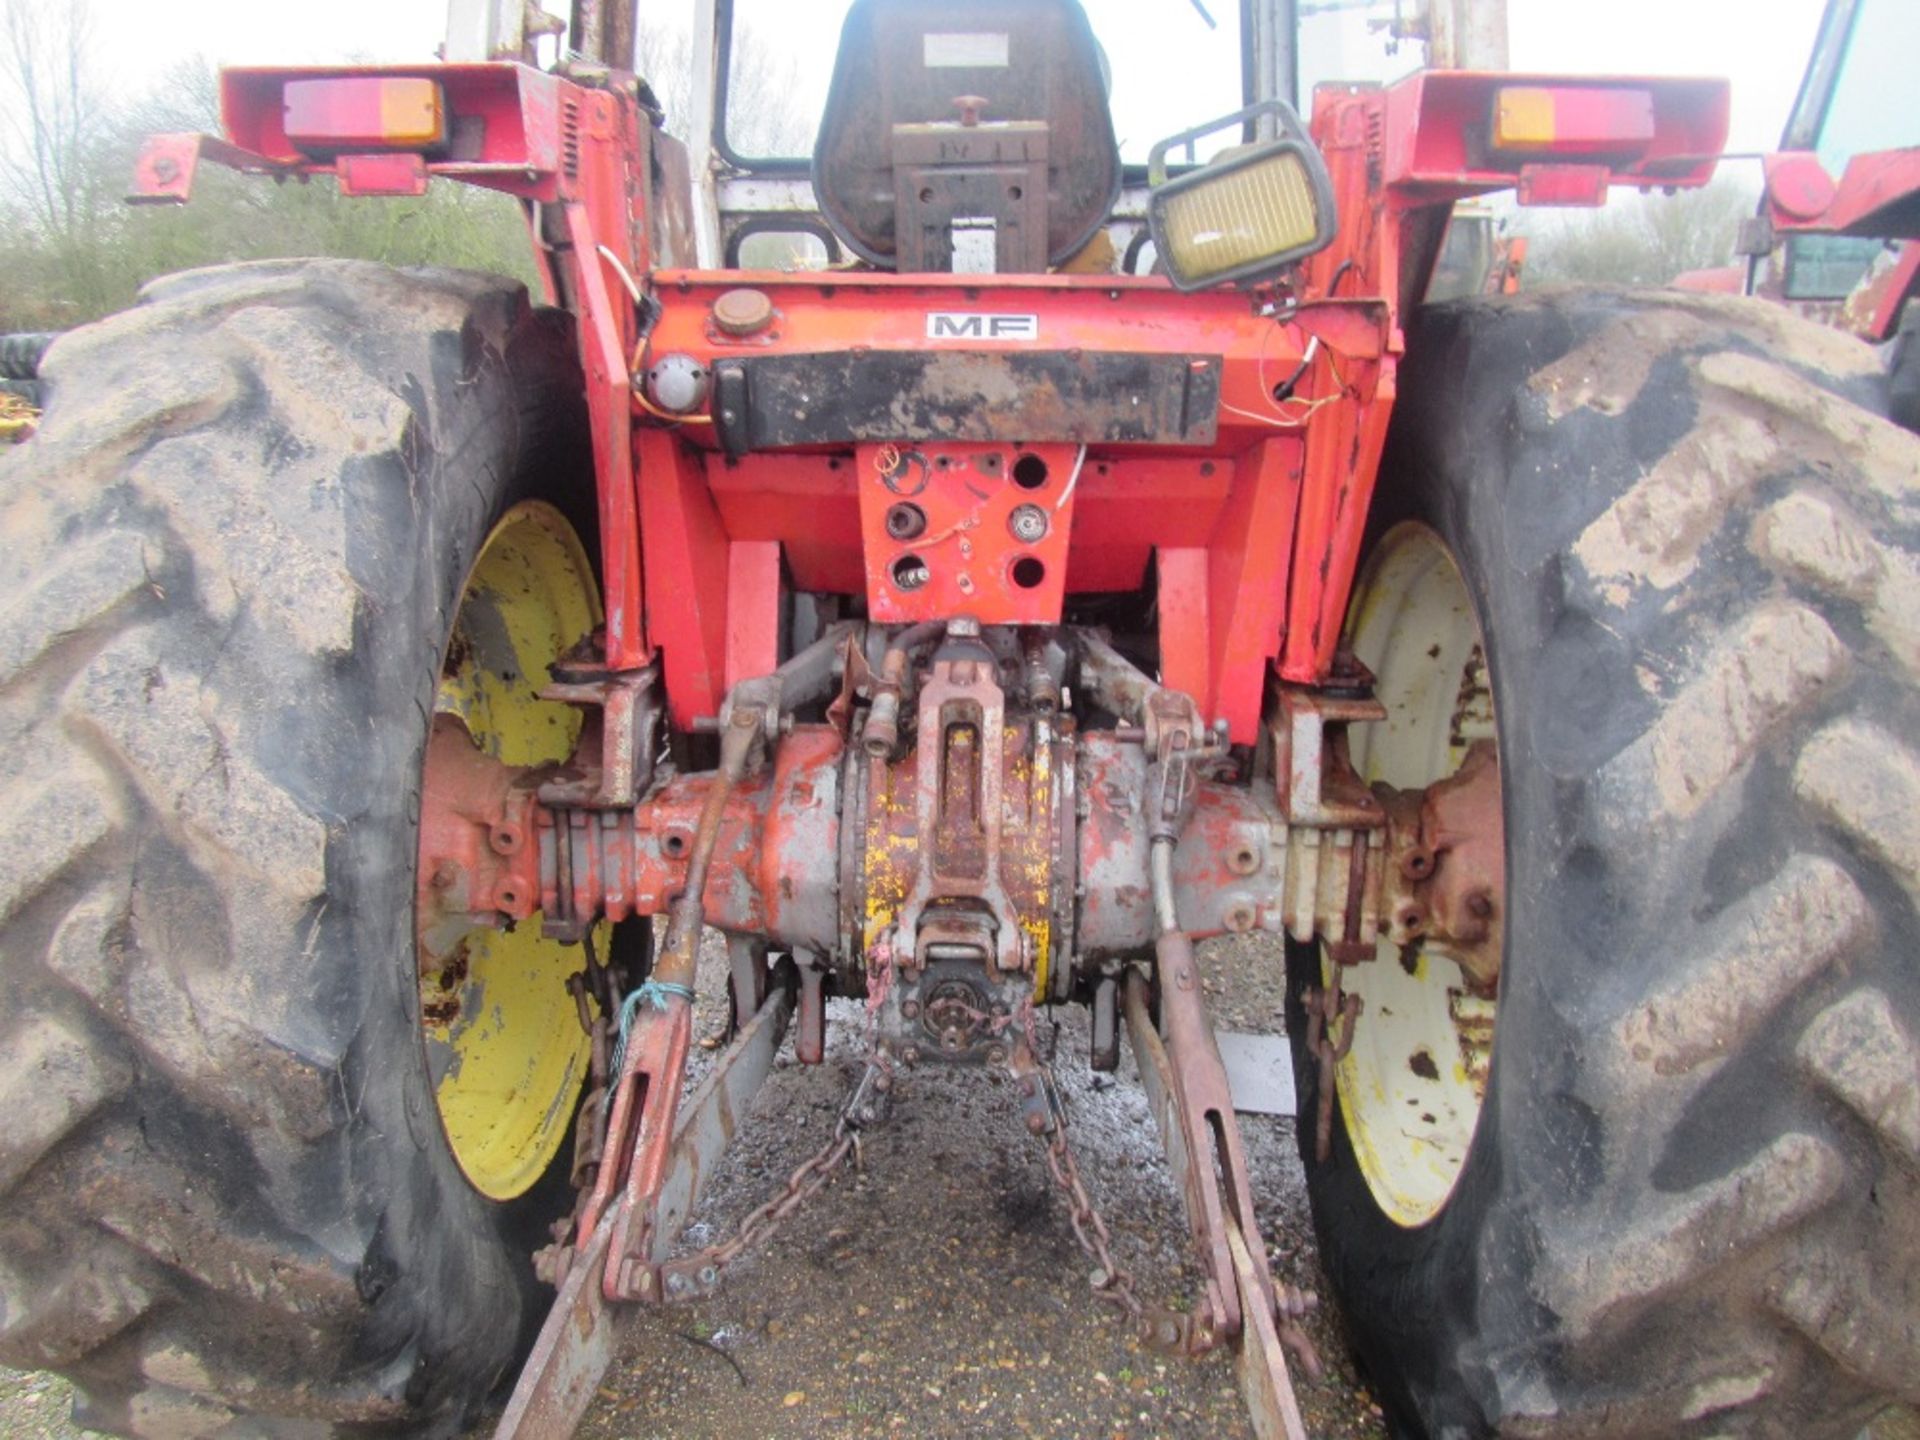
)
(1760, 46)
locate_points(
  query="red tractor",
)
(1103, 551)
(1842, 251)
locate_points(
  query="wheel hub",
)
(1414, 1071)
(504, 1046)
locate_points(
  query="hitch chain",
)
(698, 1275)
(1047, 1119)
(1325, 1010)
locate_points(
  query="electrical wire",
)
(1297, 418)
(1072, 480)
(667, 415)
(626, 276)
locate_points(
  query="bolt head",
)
(1028, 524)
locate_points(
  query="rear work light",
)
(1246, 215)
(364, 112)
(1572, 120)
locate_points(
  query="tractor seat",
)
(968, 138)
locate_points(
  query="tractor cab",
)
(992, 143)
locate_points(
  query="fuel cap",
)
(743, 312)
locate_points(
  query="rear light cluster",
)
(346, 114)
(1572, 121)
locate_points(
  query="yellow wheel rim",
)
(1411, 1086)
(504, 1044)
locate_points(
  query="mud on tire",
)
(232, 556)
(1692, 1206)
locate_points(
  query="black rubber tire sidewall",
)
(1447, 1319)
(291, 1241)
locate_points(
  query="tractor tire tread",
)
(181, 1230)
(1709, 1224)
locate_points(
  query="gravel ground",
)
(939, 1292)
(34, 1407)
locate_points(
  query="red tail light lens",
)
(1572, 120)
(365, 112)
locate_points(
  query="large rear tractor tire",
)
(234, 570)
(1690, 546)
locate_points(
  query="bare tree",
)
(53, 134)
(54, 127)
(762, 117)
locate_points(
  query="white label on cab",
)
(982, 50)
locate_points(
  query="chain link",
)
(1326, 1009)
(1109, 1280)
(700, 1273)
(805, 1182)
(863, 1108)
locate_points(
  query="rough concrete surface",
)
(938, 1291)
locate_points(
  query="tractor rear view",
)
(1103, 552)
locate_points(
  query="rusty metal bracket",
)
(1178, 742)
(960, 774)
(1313, 774)
(1445, 880)
(580, 1336)
(164, 171)
(627, 703)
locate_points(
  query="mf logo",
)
(975, 325)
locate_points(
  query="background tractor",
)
(1844, 259)
(1101, 550)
